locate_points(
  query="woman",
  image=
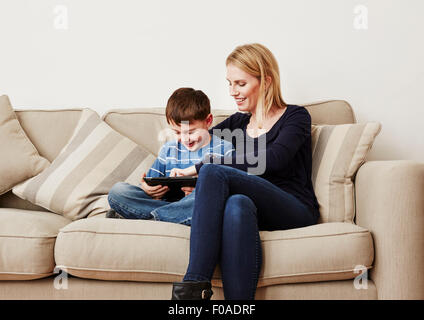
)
(232, 205)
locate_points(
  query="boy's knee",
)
(118, 189)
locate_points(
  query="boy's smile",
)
(193, 134)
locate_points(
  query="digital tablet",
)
(172, 182)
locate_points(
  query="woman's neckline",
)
(270, 129)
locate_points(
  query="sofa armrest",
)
(390, 204)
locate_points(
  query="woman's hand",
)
(156, 192)
(190, 171)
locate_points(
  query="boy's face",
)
(194, 134)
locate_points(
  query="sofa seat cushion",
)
(27, 241)
(140, 250)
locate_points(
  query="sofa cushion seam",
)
(25, 273)
(121, 234)
(63, 267)
(28, 237)
(186, 238)
(320, 236)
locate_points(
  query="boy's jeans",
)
(132, 202)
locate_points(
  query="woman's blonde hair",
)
(258, 61)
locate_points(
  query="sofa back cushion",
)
(77, 182)
(50, 130)
(339, 146)
(146, 126)
(19, 159)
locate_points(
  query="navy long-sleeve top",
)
(286, 151)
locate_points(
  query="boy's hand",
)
(156, 192)
(190, 171)
(187, 190)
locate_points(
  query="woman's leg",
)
(132, 202)
(276, 210)
(241, 252)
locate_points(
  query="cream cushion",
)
(337, 153)
(27, 240)
(77, 182)
(140, 250)
(19, 159)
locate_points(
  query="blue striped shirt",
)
(174, 154)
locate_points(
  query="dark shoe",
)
(191, 290)
(113, 214)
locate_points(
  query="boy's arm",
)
(158, 169)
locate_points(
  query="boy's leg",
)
(132, 202)
(178, 212)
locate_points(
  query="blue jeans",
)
(230, 208)
(132, 202)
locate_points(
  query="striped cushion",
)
(77, 182)
(337, 153)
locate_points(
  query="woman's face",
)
(243, 87)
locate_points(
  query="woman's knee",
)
(210, 175)
(214, 172)
(239, 206)
(209, 169)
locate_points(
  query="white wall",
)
(129, 53)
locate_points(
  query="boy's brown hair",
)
(187, 104)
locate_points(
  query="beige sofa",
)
(128, 259)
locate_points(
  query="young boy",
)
(188, 114)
